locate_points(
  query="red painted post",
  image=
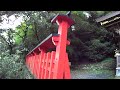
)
(64, 23)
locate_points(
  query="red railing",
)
(44, 64)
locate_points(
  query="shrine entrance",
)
(45, 64)
(111, 22)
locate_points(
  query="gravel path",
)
(85, 74)
(79, 72)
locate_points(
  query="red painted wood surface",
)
(54, 64)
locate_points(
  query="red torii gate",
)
(55, 64)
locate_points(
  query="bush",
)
(106, 64)
(12, 67)
(99, 50)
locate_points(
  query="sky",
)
(12, 23)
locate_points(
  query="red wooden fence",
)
(54, 64)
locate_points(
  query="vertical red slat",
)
(50, 75)
(31, 57)
(31, 63)
(42, 66)
(46, 65)
(49, 66)
(34, 64)
(40, 63)
(38, 69)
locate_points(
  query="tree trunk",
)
(11, 49)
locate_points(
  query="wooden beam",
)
(111, 24)
(109, 15)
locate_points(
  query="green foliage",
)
(88, 41)
(12, 67)
(33, 30)
(106, 64)
(17, 39)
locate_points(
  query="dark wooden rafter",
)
(107, 16)
(110, 19)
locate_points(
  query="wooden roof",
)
(46, 43)
(107, 16)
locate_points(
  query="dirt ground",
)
(88, 74)
(80, 73)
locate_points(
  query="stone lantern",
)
(111, 22)
(117, 55)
